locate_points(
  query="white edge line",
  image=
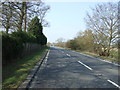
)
(85, 66)
(48, 53)
(99, 59)
(109, 62)
(113, 83)
(47, 56)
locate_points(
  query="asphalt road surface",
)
(68, 69)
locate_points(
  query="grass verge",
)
(114, 59)
(15, 73)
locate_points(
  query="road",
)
(68, 69)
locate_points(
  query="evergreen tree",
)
(36, 29)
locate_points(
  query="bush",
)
(32, 38)
(72, 44)
(23, 36)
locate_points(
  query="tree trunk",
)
(25, 17)
(7, 29)
(8, 25)
(21, 17)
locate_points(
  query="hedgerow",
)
(13, 43)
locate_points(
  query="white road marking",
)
(46, 57)
(109, 62)
(85, 65)
(68, 55)
(113, 83)
(45, 60)
(48, 53)
(116, 64)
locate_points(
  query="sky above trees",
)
(66, 19)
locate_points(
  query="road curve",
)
(68, 69)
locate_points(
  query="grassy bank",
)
(15, 73)
(112, 59)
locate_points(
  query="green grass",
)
(114, 57)
(14, 74)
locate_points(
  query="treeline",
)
(85, 42)
(17, 15)
(101, 36)
(23, 23)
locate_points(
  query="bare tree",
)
(20, 11)
(6, 15)
(40, 9)
(103, 21)
(16, 15)
(28, 10)
(60, 42)
(119, 26)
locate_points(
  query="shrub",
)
(72, 44)
(23, 36)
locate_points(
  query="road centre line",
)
(68, 55)
(113, 83)
(85, 66)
